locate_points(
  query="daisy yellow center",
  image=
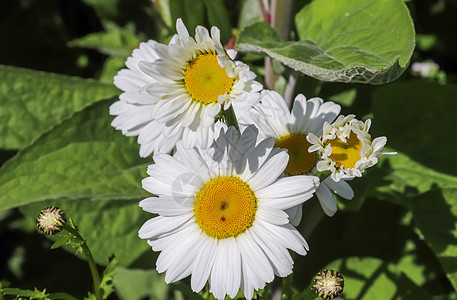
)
(205, 80)
(225, 206)
(347, 153)
(300, 160)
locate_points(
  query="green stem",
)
(90, 260)
(230, 117)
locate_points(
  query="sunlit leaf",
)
(342, 40)
(425, 170)
(82, 158)
(417, 117)
(109, 227)
(435, 213)
(32, 102)
(250, 14)
(106, 283)
(373, 278)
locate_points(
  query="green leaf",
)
(136, 284)
(66, 238)
(425, 170)
(106, 284)
(82, 158)
(345, 98)
(32, 102)
(105, 9)
(250, 14)
(342, 40)
(405, 173)
(114, 41)
(435, 213)
(416, 117)
(427, 113)
(373, 278)
(204, 13)
(109, 227)
(191, 12)
(35, 294)
(111, 68)
(163, 6)
(218, 16)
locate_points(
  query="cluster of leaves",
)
(396, 239)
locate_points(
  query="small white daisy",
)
(289, 129)
(174, 92)
(346, 147)
(221, 213)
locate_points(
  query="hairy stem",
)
(90, 260)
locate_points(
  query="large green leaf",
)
(373, 278)
(435, 213)
(250, 13)
(32, 102)
(114, 41)
(218, 16)
(342, 40)
(82, 158)
(136, 284)
(191, 12)
(416, 117)
(109, 227)
(202, 12)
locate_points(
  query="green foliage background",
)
(397, 239)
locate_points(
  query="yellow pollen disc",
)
(225, 206)
(300, 160)
(205, 80)
(345, 154)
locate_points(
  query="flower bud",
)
(328, 284)
(51, 220)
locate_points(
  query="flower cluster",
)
(228, 198)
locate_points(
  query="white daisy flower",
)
(346, 147)
(221, 214)
(289, 129)
(174, 92)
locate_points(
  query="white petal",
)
(269, 171)
(279, 256)
(254, 256)
(288, 191)
(181, 28)
(284, 235)
(273, 216)
(295, 214)
(165, 206)
(341, 188)
(326, 200)
(204, 263)
(161, 225)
